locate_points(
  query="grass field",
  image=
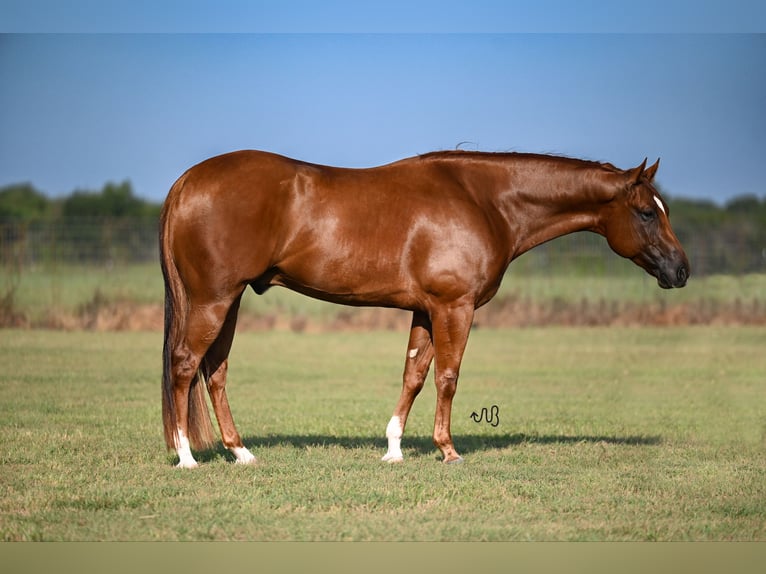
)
(603, 434)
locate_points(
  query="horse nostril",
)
(682, 275)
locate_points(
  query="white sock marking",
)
(185, 458)
(243, 455)
(394, 435)
(659, 203)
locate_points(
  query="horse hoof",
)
(458, 460)
(243, 455)
(392, 459)
(186, 464)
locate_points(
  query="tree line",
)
(22, 202)
(87, 226)
(100, 225)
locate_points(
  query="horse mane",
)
(469, 155)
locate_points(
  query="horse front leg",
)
(420, 352)
(451, 327)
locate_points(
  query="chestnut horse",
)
(432, 234)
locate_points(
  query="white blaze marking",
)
(185, 458)
(413, 353)
(659, 204)
(243, 455)
(394, 435)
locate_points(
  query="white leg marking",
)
(394, 436)
(243, 455)
(659, 203)
(413, 353)
(185, 458)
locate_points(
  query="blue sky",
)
(79, 109)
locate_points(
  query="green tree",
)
(114, 200)
(23, 202)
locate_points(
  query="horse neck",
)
(543, 199)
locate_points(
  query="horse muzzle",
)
(673, 277)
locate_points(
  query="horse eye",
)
(647, 215)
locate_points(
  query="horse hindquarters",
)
(200, 318)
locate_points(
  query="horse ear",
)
(652, 170)
(635, 174)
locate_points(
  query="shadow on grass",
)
(423, 445)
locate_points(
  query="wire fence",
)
(96, 241)
(123, 241)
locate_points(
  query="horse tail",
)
(200, 428)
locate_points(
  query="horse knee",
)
(414, 383)
(446, 382)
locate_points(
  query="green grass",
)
(44, 290)
(604, 434)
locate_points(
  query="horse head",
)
(638, 227)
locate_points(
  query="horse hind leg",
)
(192, 419)
(216, 363)
(193, 425)
(420, 352)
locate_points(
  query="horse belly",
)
(349, 277)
